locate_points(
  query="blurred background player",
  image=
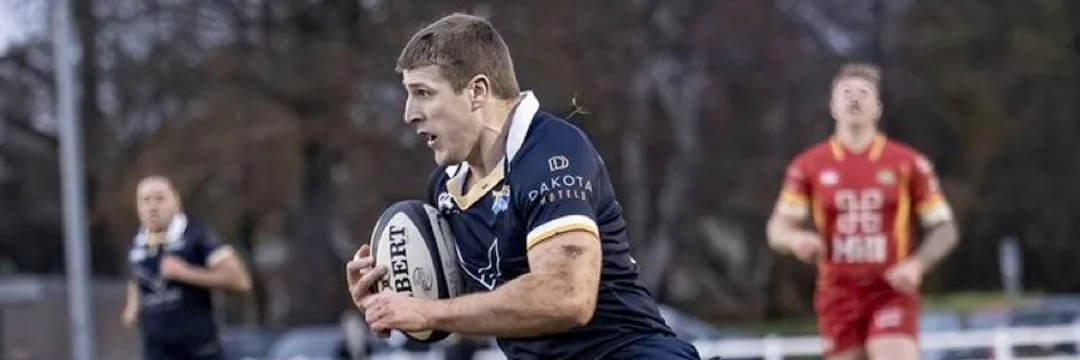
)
(863, 191)
(175, 262)
(540, 237)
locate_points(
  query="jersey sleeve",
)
(556, 190)
(795, 192)
(212, 248)
(926, 192)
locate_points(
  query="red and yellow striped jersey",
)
(863, 204)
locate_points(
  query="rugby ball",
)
(415, 243)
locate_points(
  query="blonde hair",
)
(870, 73)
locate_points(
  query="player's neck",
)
(858, 139)
(155, 237)
(491, 146)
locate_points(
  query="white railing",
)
(1001, 340)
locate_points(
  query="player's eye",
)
(423, 93)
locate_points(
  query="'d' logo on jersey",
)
(558, 162)
(489, 275)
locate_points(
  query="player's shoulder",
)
(553, 143)
(188, 225)
(196, 229)
(549, 133)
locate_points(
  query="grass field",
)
(955, 302)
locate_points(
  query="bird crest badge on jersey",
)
(489, 275)
(500, 200)
(886, 177)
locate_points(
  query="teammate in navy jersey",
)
(175, 262)
(541, 239)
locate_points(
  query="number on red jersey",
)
(859, 237)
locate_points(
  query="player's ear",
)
(833, 109)
(479, 90)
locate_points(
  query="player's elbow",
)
(241, 282)
(583, 309)
(565, 305)
(774, 232)
(243, 285)
(575, 310)
(949, 233)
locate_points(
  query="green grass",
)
(954, 302)
(966, 302)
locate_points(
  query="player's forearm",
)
(938, 243)
(781, 233)
(132, 296)
(219, 278)
(531, 305)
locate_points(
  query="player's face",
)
(855, 101)
(157, 204)
(443, 118)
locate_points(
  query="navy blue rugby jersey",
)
(170, 310)
(551, 181)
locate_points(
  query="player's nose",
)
(412, 113)
(411, 119)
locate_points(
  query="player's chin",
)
(863, 119)
(441, 159)
(444, 158)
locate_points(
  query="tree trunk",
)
(308, 241)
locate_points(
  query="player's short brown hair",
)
(463, 46)
(869, 72)
(162, 178)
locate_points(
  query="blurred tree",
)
(281, 122)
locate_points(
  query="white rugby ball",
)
(415, 243)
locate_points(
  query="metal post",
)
(1011, 262)
(773, 349)
(66, 57)
(1002, 344)
(3, 348)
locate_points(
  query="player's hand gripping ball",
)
(415, 244)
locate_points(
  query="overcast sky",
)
(21, 21)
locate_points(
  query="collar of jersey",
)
(519, 127)
(176, 230)
(476, 192)
(839, 152)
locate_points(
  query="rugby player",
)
(540, 236)
(176, 262)
(863, 190)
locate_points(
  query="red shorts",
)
(850, 314)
